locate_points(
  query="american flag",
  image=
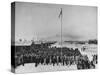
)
(60, 13)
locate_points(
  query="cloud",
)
(71, 36)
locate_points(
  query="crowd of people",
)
(85, 63)
(53, 56)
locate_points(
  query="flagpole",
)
(61, 31)
(60, 17)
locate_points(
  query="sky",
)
(41, 21)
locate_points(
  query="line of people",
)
(82, 62)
